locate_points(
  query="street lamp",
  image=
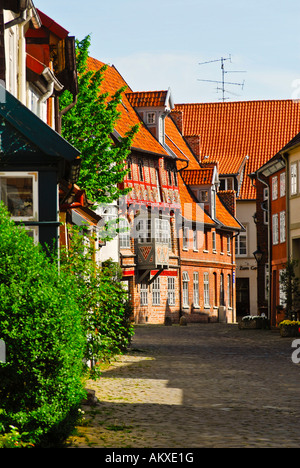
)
(258, 254)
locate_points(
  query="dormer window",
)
(203, 196)
(151, 118)
(226, 183)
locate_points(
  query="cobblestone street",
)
(199, 386)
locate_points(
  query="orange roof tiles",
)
(224, 216)
(191, 210)
(175, 142)
(147, 98)
(230, 131)
(113, 82)
(200, 176)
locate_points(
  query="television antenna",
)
(223, 82)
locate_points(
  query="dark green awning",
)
(35, 131)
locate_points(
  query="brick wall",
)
(214, 263)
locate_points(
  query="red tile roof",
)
(224, 216)
(200, 176)
(230, 131)
(147, 98)
(113, 82)
(191, 210)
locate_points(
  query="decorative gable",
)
(153, 107)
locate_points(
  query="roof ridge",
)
(232, 102)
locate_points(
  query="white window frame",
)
(282, 295)
(144, 294)
(240, 241)
(143, 230)
(186, 238)
(163, 230)
(275, 233)
(151, 118)
(206, 289)
(282, 227)
(195, 240)
(214, 241)
(185, 289)
(196, 289)
(35, 202)
(171, 291)
(265, 198)
(282, 184)
(294, 178)
(274, 188)
(33, 232)
(228, 244)
(124, 234)
(156, 291)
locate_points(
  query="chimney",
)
(194, 143)
(177, 117)
(228, 197)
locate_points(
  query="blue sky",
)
(159, 44)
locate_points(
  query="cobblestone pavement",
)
(199, 386)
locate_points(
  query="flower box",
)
(289, 328)
(254, 322)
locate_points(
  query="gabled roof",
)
(199, 176)
(54, 27)
(191, 209)
(224, 216)
(149, 98)
(112, 83)
(232, 131)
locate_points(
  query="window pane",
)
(17, 195)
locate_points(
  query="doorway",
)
(242, 297)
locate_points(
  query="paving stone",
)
(199, 386)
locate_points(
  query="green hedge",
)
(41, 323)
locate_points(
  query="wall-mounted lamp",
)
(258, 254)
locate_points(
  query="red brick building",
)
(242, 136)
(177, 256)
(272, 235)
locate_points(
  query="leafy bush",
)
(40, 321)
(102, 299)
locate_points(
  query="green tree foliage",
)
(41, 324)
(290, 288)
(104, 303)
(89, 125)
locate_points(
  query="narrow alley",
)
(199, 386)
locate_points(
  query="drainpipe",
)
(287, 195)
(269, 246)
